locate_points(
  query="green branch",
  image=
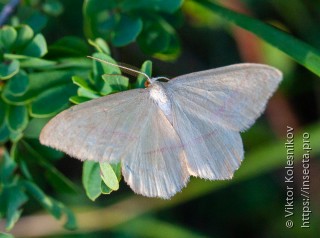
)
(301, 52)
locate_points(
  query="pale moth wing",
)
(168, 131)
(156, 164)
(233, 96)
(127, 127)
(98, 130)
(211, 107)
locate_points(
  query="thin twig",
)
(7, 11)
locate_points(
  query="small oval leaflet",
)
(169, 131)
(108, 176)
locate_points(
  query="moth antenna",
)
(124, 68)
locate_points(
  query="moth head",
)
(150, 81)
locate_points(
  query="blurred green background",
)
(44, 70)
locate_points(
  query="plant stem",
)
(7, 11)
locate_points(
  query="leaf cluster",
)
(33, 89)
(149, 22)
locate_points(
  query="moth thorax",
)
(158, 94)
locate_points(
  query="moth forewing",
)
(232, 96)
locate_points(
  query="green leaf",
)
(3, 110)
(160, 40)
(84, 93)
(24, 36)
(5, 235)
(57, 209)
(52, 7)
(301, 52)
(37, 21)
(154, 38)
(17, 117)
(4, 132)
(126, 31)
(71, 223)
(141, 79)
(7, 70)
(78, 99)
(15, 136)
(80, 64)
(173, 50)
(52, 101)
(91, 179)
(105, 189)
(117, 170)
(168, 6)
(37, 47)
(100, 45)
(81, 82)
(69, 46)
(18, 84)
(99, 19)
(108, 176)
(40, 82)
(7, 167)
(100, 69)
(114, 83)
(23, 167)
(8, 36)
(36, 63)
(12, 197)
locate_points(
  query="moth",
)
(169, 131)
